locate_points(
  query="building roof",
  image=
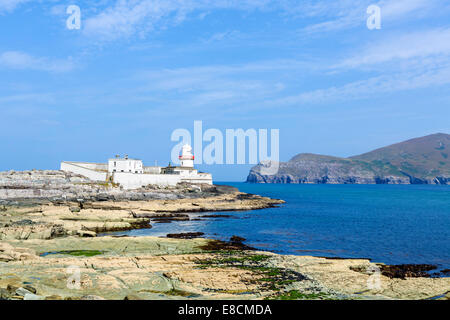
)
(123, 159)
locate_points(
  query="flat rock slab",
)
(162, 268)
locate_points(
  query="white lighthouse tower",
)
(187, 158)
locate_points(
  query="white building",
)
(132, 174)
(125, 165)
(186, 158)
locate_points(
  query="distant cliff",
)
(418, 161)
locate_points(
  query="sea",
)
(391, 224)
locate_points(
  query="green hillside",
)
(422, 160)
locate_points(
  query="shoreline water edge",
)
(50, 249)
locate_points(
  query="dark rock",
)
(132, 297)
(11, 289)
(235, 243)
(168, 218)
(4, 294)
(216, 216)
(154, 215)
(75, 209)
(445, 272)
(25, 222)
(103, 197)
(30, 288)
(187, 235)
(246, 196)
(58, 231)
(236, 239)
(404, 271)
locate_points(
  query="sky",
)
(136, 70)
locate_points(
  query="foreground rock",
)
(161, 268)
(49, 219)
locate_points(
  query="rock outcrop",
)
(60, 186)
(152, 268)
(48, 219)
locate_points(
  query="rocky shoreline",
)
(50, 250)
(139, 268)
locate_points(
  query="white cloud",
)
(392, 9)
(221, 36)
(58, 10)
(411, 46)
(10, 5)
(372, 87)
(214, 78)
(345, 14)
(401, 62)
(126, 17)
(217, 87)
(336, 15)
(23, 61)
(130, 17)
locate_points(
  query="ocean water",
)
(393, 224)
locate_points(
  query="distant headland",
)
(422, 160)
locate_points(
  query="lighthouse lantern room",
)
(187, 158)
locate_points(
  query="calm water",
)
(389, 224)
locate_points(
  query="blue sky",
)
(137, 70)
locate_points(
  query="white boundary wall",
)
(152, 170)
(90, 165)
(136, 180)
(88, 173)
(198, 179)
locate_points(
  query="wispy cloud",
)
(208, 85)
(409, 46)
(138, 17)
(10, 5)
(223, 36)
(393, 9)
(401, 61)
(345, 14)
(24, 61)
(127, 17)
(373, 87)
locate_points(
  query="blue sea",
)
(392, 224)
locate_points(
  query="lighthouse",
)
(187, 158)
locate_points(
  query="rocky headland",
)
(51, 248)
(418, 161)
